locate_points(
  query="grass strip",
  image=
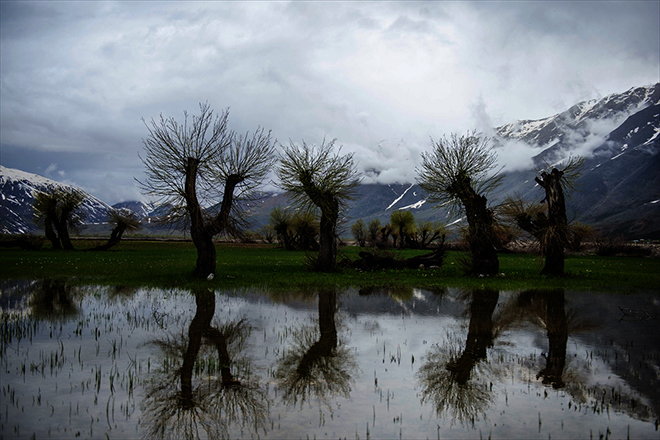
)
(170, 263)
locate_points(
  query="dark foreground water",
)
(122, 363)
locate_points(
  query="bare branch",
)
(458, 157)
(198, 169)
(319, 168)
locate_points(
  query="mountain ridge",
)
(619, 190)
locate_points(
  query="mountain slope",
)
(17, 191)
(584, 124)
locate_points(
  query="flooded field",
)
(124, 363)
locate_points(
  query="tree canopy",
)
(460, 172)
(317, 178)
(199, 169)
(58, 211)
(547, 221)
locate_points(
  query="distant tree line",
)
(401, 231)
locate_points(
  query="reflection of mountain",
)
(607, 378)
(181, 403)
(629, 346)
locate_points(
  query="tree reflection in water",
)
(318, 365)
(179, 403)
(52, 299)
(450, 379)
(549, 308)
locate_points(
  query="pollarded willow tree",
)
(459, 172)
(547, 221)
(58, 211)
(318, 179)
(199, 169)
(121, 220)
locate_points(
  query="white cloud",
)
(516, 155)
(50, 169)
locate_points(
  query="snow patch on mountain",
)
(18, 190)
(580, 130)
(414, 205)
(400, 197)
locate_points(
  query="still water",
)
(98, 362)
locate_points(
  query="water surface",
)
(96, 362)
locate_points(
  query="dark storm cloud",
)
(381, 77)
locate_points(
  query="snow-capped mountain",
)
(141, 209)
(619, 190)
(585, 126)
(619, 136)
(17, 191)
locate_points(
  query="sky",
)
(382, 78)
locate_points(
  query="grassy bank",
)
(169, 264)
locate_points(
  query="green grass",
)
(170, 263)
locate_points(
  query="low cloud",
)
(515, 155)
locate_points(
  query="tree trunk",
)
(369, 261)
(327, 343)
(327, 327)
(554, 259)
(557, 328)
(219, 340)
(480, 335)
(327, 237)
(63, 229)
(201, 237)
(329, 206)
(480, 227)
(205, 302)
(115, 238)
(50, 232)
(206, 253)
(556, 233)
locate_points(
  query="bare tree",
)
(374, 227)
(359, 231)
(122, 220)
(45, 215)
(549, 223)
(58, 211)
(403, 225)
(200, 169)
(429, 232)
(316, 178)
(178, 404)
(459, 173)
(318, 366)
